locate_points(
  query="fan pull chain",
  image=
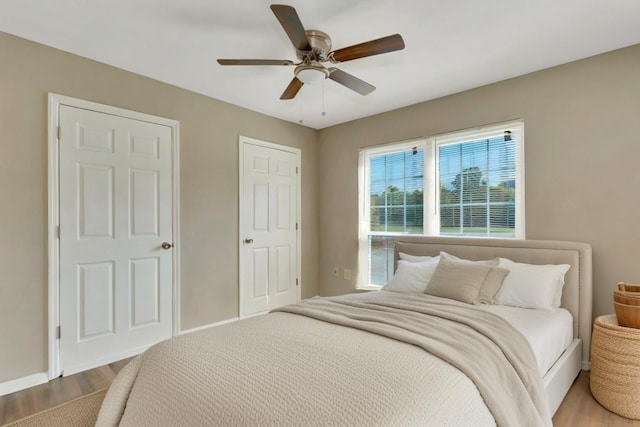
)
(323, 109)
(300, 121)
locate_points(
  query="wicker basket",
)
(615, 367)
(627, 315)
(628, 287)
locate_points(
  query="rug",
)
(80, 412)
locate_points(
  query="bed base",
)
(560, 377)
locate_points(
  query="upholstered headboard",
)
(576, 294)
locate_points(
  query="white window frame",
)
(431, 192)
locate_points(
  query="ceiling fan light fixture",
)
(311, 74)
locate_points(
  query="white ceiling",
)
(451, 45)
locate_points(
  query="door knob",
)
(248, 240)
(166, 245)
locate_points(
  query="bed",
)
(377, 358)
(576, 294)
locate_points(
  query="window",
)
(466, 183)
(394, 198)
(477, 185)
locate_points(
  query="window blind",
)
(477, 181)
(396, 191)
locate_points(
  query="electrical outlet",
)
(336, 272)
(347, 274)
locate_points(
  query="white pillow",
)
(414, 258)
(532, 286)
(412, 277)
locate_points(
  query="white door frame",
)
(55, 101)
(242, 140)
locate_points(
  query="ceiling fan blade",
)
(292, 90)
(370, 48)
(290, 21)
(254, 62)
(352, 82)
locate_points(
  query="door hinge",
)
(296, 225)
(58, 231)
(58, 332)
(296, 281)
(59, 132)
(296, 167)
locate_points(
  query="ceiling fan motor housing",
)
(320, 43)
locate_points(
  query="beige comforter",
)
(301, 366)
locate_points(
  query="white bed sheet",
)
(549, 332)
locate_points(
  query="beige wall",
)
(581, 124)
(209, 131)
(582, 145)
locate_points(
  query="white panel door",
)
(116, 293)
(269, 251)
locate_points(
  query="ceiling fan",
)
(313, 47)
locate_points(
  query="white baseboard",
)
(12, 386)
(210, 325)
(586, 366)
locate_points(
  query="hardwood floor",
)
(579, 408)
(59, 390)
